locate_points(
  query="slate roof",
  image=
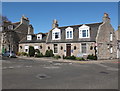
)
(15, 24)
(21, 27)
(34, 39)
(93, 33)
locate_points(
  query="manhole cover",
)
(103, 72)
(42, 76)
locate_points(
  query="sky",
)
(41, 14)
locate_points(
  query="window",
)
(111, 37)
(69, 33)
(83, 48)
(10, 27)
(36, 47)
(74, 47)
(39, 36)
(111, 50)
(84, 31)
(29, 37)
(91, 47)
(26, 48)
(61, 48)
(56, 34)
(40, 47)
(55, 48)
(20, 47)
(48, 47)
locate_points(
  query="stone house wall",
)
(42, 50)
(104, 44)
(76, 52)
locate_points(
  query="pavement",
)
(49, 73)
(70, 61)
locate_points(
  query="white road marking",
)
(108, 67)
(52, 67)
(28, 66)
(10, 67)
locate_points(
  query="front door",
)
(68, 50)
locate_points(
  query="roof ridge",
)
(15, 22)
(79, 25)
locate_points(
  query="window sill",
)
(83, 37)
(69, 38)
(55, 39)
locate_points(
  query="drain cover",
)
(42, 76)
(103, 72)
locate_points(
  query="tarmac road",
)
(20, 73)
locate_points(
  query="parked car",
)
(7, 54)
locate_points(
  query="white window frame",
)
(55, 31)
(68, 30)
(26, 47)
(57, 49)
(29, 37)
(82, 48)
(111, 37)
(36, 47)
(82, 28)
(39, 35)
(111, 50)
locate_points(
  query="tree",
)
(31, 52)
(2, 19)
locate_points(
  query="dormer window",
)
(39, 36)
(29, 37)
(84, 31)
(10, 27)
(56, 35)
(69, 33)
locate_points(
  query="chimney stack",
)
(106, 18)
(55, 23)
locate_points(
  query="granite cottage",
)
(82, 40)
(79, 40)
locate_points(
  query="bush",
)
(57, 56)
(70, 57)
(49, 53)
(92, 57)
(19, 53)
(79, 58)
(36, 50)
(39, 55)
(31, 51)
(22, 54)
